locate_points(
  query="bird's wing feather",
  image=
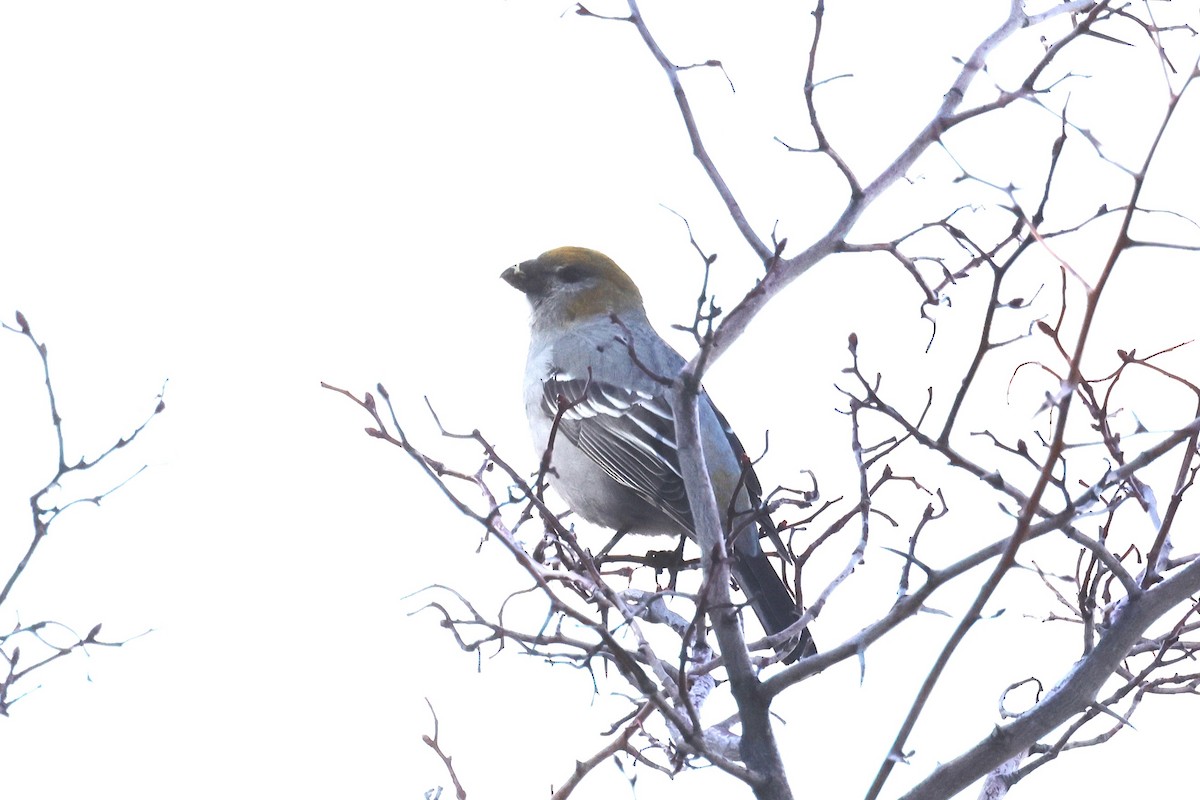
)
(749, 476)
(630, 433)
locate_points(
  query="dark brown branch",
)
(698, 149)
(435, 745)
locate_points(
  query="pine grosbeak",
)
(614, 456)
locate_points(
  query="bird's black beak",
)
(518, 278)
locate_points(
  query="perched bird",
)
(614, 457)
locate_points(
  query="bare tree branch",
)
(12, 668)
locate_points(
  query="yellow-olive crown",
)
(568, 283)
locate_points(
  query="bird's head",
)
(567, 284)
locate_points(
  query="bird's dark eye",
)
(571, 274)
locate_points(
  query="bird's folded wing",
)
(628, 432)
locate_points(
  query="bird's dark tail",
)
(770, 599)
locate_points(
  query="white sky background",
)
(247, 198)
